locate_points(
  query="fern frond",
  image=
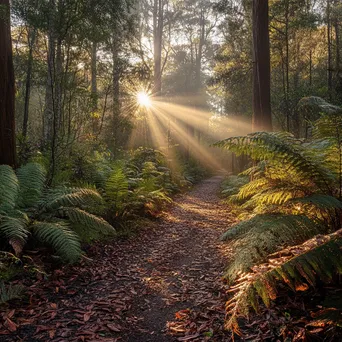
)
(320, 201)
(281, 149)
(9, 187)
(253, 187)
(78, 216)
(65, 242)
(264, 234)
(31, 184)
(13, 228)
(71, 197)
(117, 186)
(298, 267)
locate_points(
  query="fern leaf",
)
(9, 187)
(65, 242)
(318, 258)
(12, 228)
(78, 216)
(71, 197)
(31, 181)
(117, 186)
(281, 149)
(265, 234)
(320, 201)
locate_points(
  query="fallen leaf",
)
(114, 327)
(187, 338)
(12, 327)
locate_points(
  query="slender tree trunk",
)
(337, 43)
(116, 93)
(158, 27)
(287, 66)
(7, 89)
(330, 75)
(31, 41)
(199, 55)
(94, 74)
(262, 116)
(50, 80)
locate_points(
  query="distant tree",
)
(7, 90)
(262, 116)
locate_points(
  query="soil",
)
(163, 285)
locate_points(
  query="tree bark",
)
(7, 89)
(31, 40)
(330, 74)
(158, 27)
(262, 116)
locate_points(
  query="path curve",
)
(164, 285)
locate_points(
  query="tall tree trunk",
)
(94, 74)
(116, 92)
(50, 80)
(199, 55)
(31, 41)
(158, 27)
(287, 66)
(262, 116)
(7, 89)
(330, 74)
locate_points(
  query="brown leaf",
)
(52, 334)
(12, 327)
(113, 327)
(86, 316)
(187, 338)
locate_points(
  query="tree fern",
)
(298, 267)
(60, 237)
(31, 181)
(9, 187)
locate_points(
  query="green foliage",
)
(262, 235)
(231, 185)
(282, 149)
(31, 178)
(293, 195)
(47, 215)
(9, 186)
(64, 241)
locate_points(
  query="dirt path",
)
(161, 286)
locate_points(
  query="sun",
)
(143, 99)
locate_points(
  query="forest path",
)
(164, 285)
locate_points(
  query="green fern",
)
(298, 267)
(9, 187)
(60, 237)
(31, 181)
(73, 197)
(117, 186)
(262, 235)
(282, 149)
(78, 216)
(13, 228)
